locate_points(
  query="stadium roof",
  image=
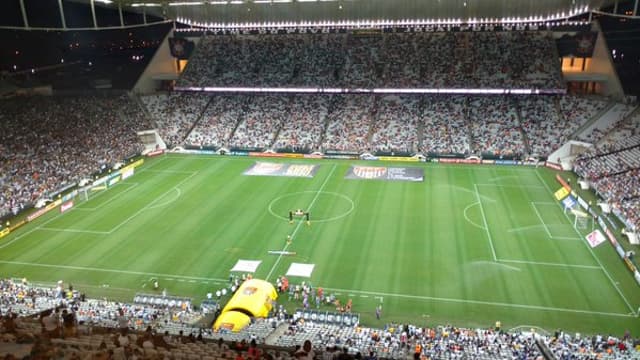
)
(242, 11)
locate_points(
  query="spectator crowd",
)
(499, 126)
(54, 322)
(49, 142)
(613, 168)
(366, 60)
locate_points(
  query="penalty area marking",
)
(337, 217)
(464, 189)
(495, 263)
(466, 217)
(486, 226)
(113, 197)
(149, 206)
(541, 263)
(534, 227)
(546, 226)
(172, 200)
(523, 228)
(535, 209)
(80, 231)
(498, 178)
(615, 285)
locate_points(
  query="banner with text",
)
(281, 169)
(561, 193)
(385, 173)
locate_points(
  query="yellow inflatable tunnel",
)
(232, 321)
(254, 298)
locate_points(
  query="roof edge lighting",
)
(559, 19)
(307, 90)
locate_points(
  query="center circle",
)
(319, 213)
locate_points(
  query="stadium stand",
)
(349, 124)
(49, 142)
(218, 121)
(175, 114)
(494, 125)
(305, 125)
(396, 126)
(45, 322)
(612, 167)
(261, 121)
(445, 126)
(542, 124)
(624, 134)
(450, 59)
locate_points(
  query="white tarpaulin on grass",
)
(246, 266)
(302, 270)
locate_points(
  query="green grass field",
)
(468, 246)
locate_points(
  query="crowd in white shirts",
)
(367, 60)
(48, 142)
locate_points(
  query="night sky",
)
(623, 37)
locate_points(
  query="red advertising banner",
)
(459, 161)
(612, 238)
(66, 206)
(553, 166)
(155, 153)
(43, 210)
(276, 155)
(563, 182)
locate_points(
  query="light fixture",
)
(186, 3)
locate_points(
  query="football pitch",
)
(470, 245)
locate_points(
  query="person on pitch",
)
(290, 217)
(307, 218)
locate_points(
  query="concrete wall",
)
(161, 63)
(602, 63)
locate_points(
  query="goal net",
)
(581, 219)
(87, 192)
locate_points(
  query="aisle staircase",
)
(525, 138)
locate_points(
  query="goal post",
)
(87, 192)
(581, 219)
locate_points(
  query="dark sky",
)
(623, 36)
(75, 59)
(45, 13)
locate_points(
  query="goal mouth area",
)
(579, 213)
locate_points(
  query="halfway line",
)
(293, 234)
